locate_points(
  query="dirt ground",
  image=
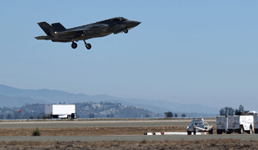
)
(197, 144)
(86, 131)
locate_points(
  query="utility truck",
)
(60, 111)
(239, 122)
(255, 122)
(198, 125)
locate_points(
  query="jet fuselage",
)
(57, 33)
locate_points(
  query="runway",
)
(67, 124)
(120, 123)
(128, 137)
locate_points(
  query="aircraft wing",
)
(69, 33)
(91, 27)
(81, 31)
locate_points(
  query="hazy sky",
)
(183, 51)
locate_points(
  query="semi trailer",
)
(60, 111)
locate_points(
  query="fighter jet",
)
(56, 32)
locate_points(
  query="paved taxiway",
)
(129, 137)
(67, 124)
(131, 123)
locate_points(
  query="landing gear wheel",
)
(256, 131)
(241, 130)
(189, 132)
(211, 131)
(126, 31)
(194, 132)
(88, 46)
(219, 131)
(250, 131)
(74, 45)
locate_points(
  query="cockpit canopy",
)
(117, 19)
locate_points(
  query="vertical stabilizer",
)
(58, 27)
(48, 29)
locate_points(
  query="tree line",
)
(169, 114)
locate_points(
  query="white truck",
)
(255, 121)
(235, 123)
(60, 111)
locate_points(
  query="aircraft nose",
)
(136, 23)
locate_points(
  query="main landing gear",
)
(74, 45)
(87, 45)
(125, 31)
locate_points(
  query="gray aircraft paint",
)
(58, 33)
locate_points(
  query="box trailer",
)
(235, 123)
(222, 124)
(60, 111)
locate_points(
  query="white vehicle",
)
(60, 111)
(254, 113)
(235, 123)
(198, 125)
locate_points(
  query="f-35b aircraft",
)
(56, 32)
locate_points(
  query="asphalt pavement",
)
(67, 124)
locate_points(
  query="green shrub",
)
(36, 132)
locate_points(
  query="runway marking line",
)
(174, 133)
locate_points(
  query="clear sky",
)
(183, 51)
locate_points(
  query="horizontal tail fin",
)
(43, 37)
(58, 26)
(48, 29)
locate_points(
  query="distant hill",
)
(7, 101)
(18, 97)
(83, 110)
(161, 106)
(54, 96)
